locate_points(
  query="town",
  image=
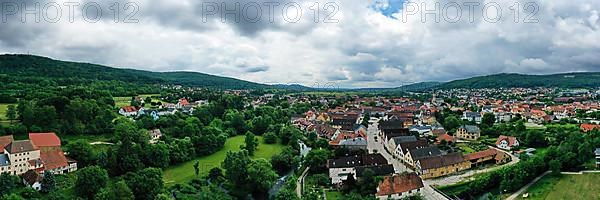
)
(439, 144)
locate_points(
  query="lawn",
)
(3, 108)
(584, 186)
(333, 195)
(185, 172)
(465, 148)
(125, 101)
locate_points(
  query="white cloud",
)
(364, 49)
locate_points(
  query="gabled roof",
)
(471, 128)
(44, 139)
(402, 139)
(396, 184)
(5, 140)
(407, 146)
(441, 161)
(481, 154)
(344, 162)
(53, 159)
(509, 139)
(20, 146)
(31, 177)
(417, 154)
(129, 108)
(374, 159)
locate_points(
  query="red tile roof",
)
(481, 154)
(44, 139)
(129, 108)
(445, 137)
(511, 140)
(53, 159)
(401, 183)
(589, 127)
(5, 140)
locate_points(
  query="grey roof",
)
(420, 127)
(4, 161)
(359, 141)
(597, 151)
(471, 128)
(473, 114)
(402, 139)
(424, 152)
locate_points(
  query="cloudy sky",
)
(349, 43)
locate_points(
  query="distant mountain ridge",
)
(37, 66)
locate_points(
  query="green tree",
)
(250, 143)
(261, 176)
(368, 183)
(488, 119)
(197, 168)
(270, 138)
(90, 180)
(11, 113)
(49, 182)
(83, 152)
(8, 183)
(146, 183)
(451, 123)
(235, 165)
(317, 158)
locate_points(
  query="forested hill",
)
(567, 80)
(66, 73)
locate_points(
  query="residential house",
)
(507, 142)
(32, 179)
(442, 165)
(393, 142)
(402, 148)
(421, 130)
(472, 116)
(128, 111)
(181, 103)
(468, 132)
(5, 140)
(399, 186)
(340, 168)
(445, 137)
(19, 154)
(155, 135)
(414, 155)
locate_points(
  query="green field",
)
(125, 101)
(185, 172)
(586, 186)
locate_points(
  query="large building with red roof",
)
(399, 186)
(41, 153)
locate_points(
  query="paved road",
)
(300, 183)
(516, 194)
(449, 180)
(377, 145)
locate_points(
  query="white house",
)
(128, 111)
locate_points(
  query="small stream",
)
(281, 181)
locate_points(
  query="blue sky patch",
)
(387, 7)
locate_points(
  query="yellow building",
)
(468, 132)
(438, 166)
